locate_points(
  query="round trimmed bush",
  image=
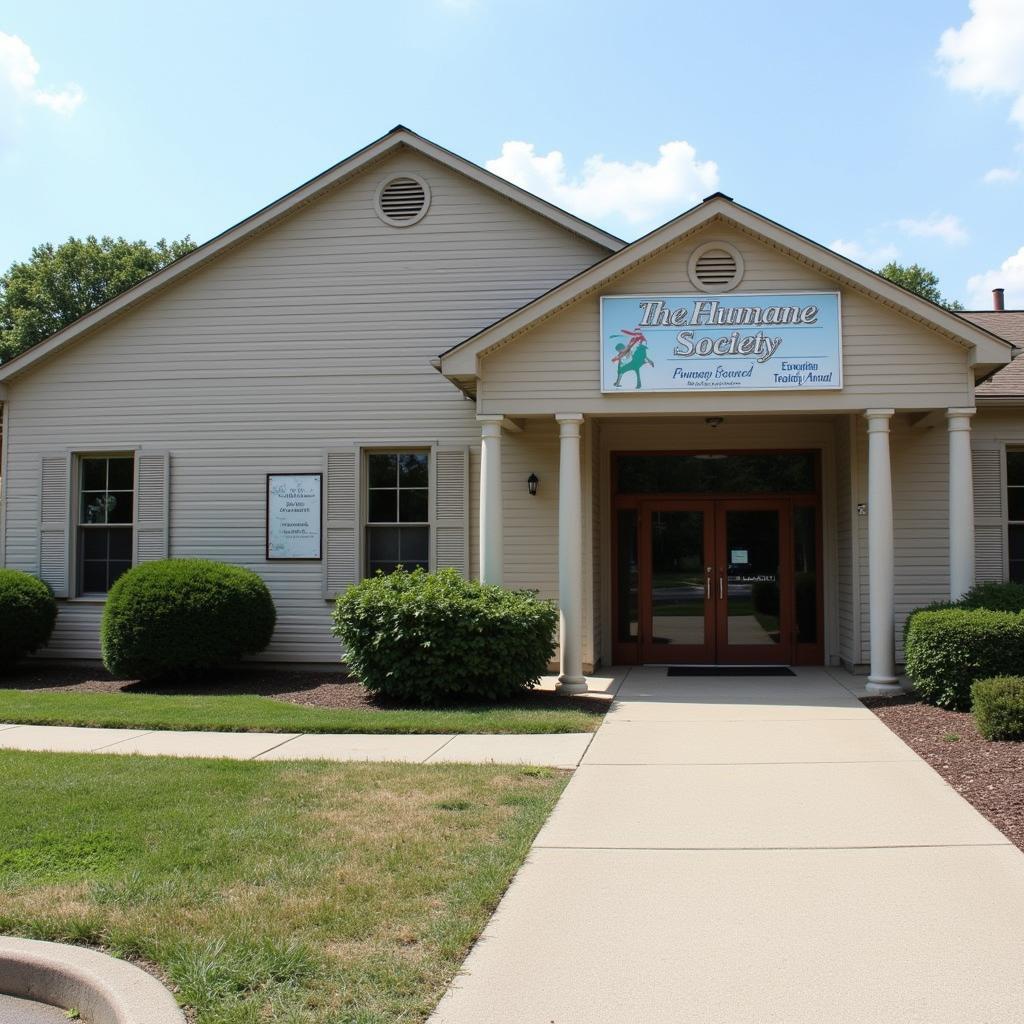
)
(948, 650)
(436, 638)
(184, 615)
(998, 707)
(27, 614)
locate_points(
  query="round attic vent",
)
(716, 267)
(402, 201)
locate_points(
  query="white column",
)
(961, 503)
(881, 559)
(570, 554)
(492, 533)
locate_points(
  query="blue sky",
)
(844, 122)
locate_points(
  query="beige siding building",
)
(431, 353)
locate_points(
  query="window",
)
(397, 511)
(106, 514)
(1015, 512)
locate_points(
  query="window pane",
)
(121, 474)
(1015, 468)
(754, 473)
(1016, 538)
(1015, 502)
(94, 507)
(383, 507)
(383, 543)
(120, 541)
(93, 543)
(415, 546)
(805, 569)
(382, 470)
(385, 567)
(412, 506)
(119, 507)
(628, 585)
(94, 577)
(94, 475)
(116, 569)
(412, 470)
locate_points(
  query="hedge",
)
(184, 616)
(28, 612)
(436, 638)
(998, 707)
(948, 650)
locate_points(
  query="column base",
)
(571, 684)
(884, 686)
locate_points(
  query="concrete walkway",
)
(749, 851)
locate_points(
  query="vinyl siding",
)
(848, 609)
(317, 333)
(888, 359)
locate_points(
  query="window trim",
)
(75, 593)
(365, 452)
(1008, 450)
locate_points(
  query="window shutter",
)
(451, 509)
(54, 519)
(341, 564)
(152, 494)
(990, 556)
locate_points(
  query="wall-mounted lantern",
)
(531, 483)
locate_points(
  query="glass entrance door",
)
(753, 581)
(677, 601)
(713, 582)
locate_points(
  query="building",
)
(721, 443)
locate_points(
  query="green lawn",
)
(304, 893)
(248, 713)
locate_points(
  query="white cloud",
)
(985, 55)
(19, 72)
(642, 194)
(1010, 276)
(946, 226)
(1000, 176)
(868, 256)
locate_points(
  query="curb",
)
(103, 989)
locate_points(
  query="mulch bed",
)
(331, 689)
(988, 775)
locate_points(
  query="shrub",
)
(947, 650)
(433, 638)
(27, 614)
(997, 597)
(184, 616)
(998, 706)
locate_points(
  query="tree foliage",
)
(58, 284)
(919, 281)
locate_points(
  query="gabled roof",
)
(398, 137)
(460, 363)
(1006, 323)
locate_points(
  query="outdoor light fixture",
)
(531, 483)
(713, 421)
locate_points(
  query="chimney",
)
(997, 300)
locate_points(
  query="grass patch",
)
(248, 713)
(304, 893)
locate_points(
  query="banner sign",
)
(293, 515)
(747, 342)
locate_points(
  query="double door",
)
(715, 581)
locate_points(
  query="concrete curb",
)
(102, 989)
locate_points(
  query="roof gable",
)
(303, 195)
(460, 363)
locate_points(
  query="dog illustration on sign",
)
(631, 356)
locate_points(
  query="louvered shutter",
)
(152, 494)
(451, 509)
(341, 564)
(54, 521)
(988, 465)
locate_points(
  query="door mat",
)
(730, 670)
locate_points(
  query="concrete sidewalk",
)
(746, 851)
(553, 750)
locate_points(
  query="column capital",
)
(569, 423)
(960, 418)
(569, 417)
(878, 415)
(490, 426)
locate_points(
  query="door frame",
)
(628, 652)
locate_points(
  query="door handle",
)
(720, 594)
(707, 583)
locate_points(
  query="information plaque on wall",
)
(294, 503)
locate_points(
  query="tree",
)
(58, 284)
(919, 281)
